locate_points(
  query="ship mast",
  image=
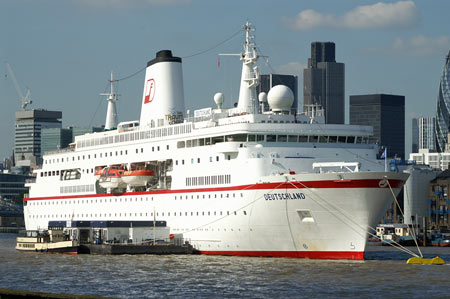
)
(111, 112)
(248, 102)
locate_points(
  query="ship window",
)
(78, 157)
(259, 137)
(245, 213)
(192, 161)
(359, 139)
(182, 162)
(313, 138)
(217, 158)
(302, 138)
(188, 143)
(332, 139)
(142, 149)
(167, 147)
(341, 139)
(217, 139)
(282, 138)
(198, 160)
(207, 141)
(350, 139)
(110, 154)
(292, 138)
(323, 139)
(251, 138)
(236, 138)
(121, 153)
(176, 162)
(271, 138)
(229, 157)
(181, 144)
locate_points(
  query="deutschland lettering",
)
(283, 196)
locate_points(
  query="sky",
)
(64, 50)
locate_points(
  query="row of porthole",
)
(86, 201)
(117, 153)
(180, 214)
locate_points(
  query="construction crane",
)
(25, 100)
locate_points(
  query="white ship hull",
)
(310, 215)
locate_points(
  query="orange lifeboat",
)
(110, 177)
(136, 178)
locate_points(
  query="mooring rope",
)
(400, 247)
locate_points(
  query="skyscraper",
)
(426, 126)
(324, 82)
(443, 110)
(54, 139)
(415, 135)
(27, 138)
(386, 114)
(271, 80)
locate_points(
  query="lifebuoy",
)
(171, 236)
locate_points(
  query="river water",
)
(383, 273)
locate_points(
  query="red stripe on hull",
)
(327, 255)
(366, 183)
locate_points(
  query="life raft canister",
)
(171, 236)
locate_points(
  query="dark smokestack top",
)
(164, 56)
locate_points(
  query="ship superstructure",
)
(240, 181)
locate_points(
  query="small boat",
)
(444, 241)
(49, 241)
(110, 177)
(137, 178)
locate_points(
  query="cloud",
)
(380, 15)
(291, 68)
(421, 45)
(127, 3)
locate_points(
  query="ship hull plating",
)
(326, 216)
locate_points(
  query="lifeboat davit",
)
(136, 178)
(110, 177)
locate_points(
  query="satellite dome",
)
(218, 99)
(280, 98)
(262, 97)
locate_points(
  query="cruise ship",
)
(243, 180)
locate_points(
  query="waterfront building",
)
(386, 114)
(438, 205)
(436, 160)
(324, 82)
(416, 193)
(270, 80)
(27, 137)
(55, 139)
(78, 131)
(427, 139)
(415, 135)
(12, 186)
(443, 110)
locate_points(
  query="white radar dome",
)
(218, 99)
(280, 98)
(262, 97)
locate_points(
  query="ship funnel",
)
(163, 98)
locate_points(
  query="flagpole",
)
(385, 160)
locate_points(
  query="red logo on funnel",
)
(149, 91)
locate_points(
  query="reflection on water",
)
(383, 273)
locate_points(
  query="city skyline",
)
(64, 51)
